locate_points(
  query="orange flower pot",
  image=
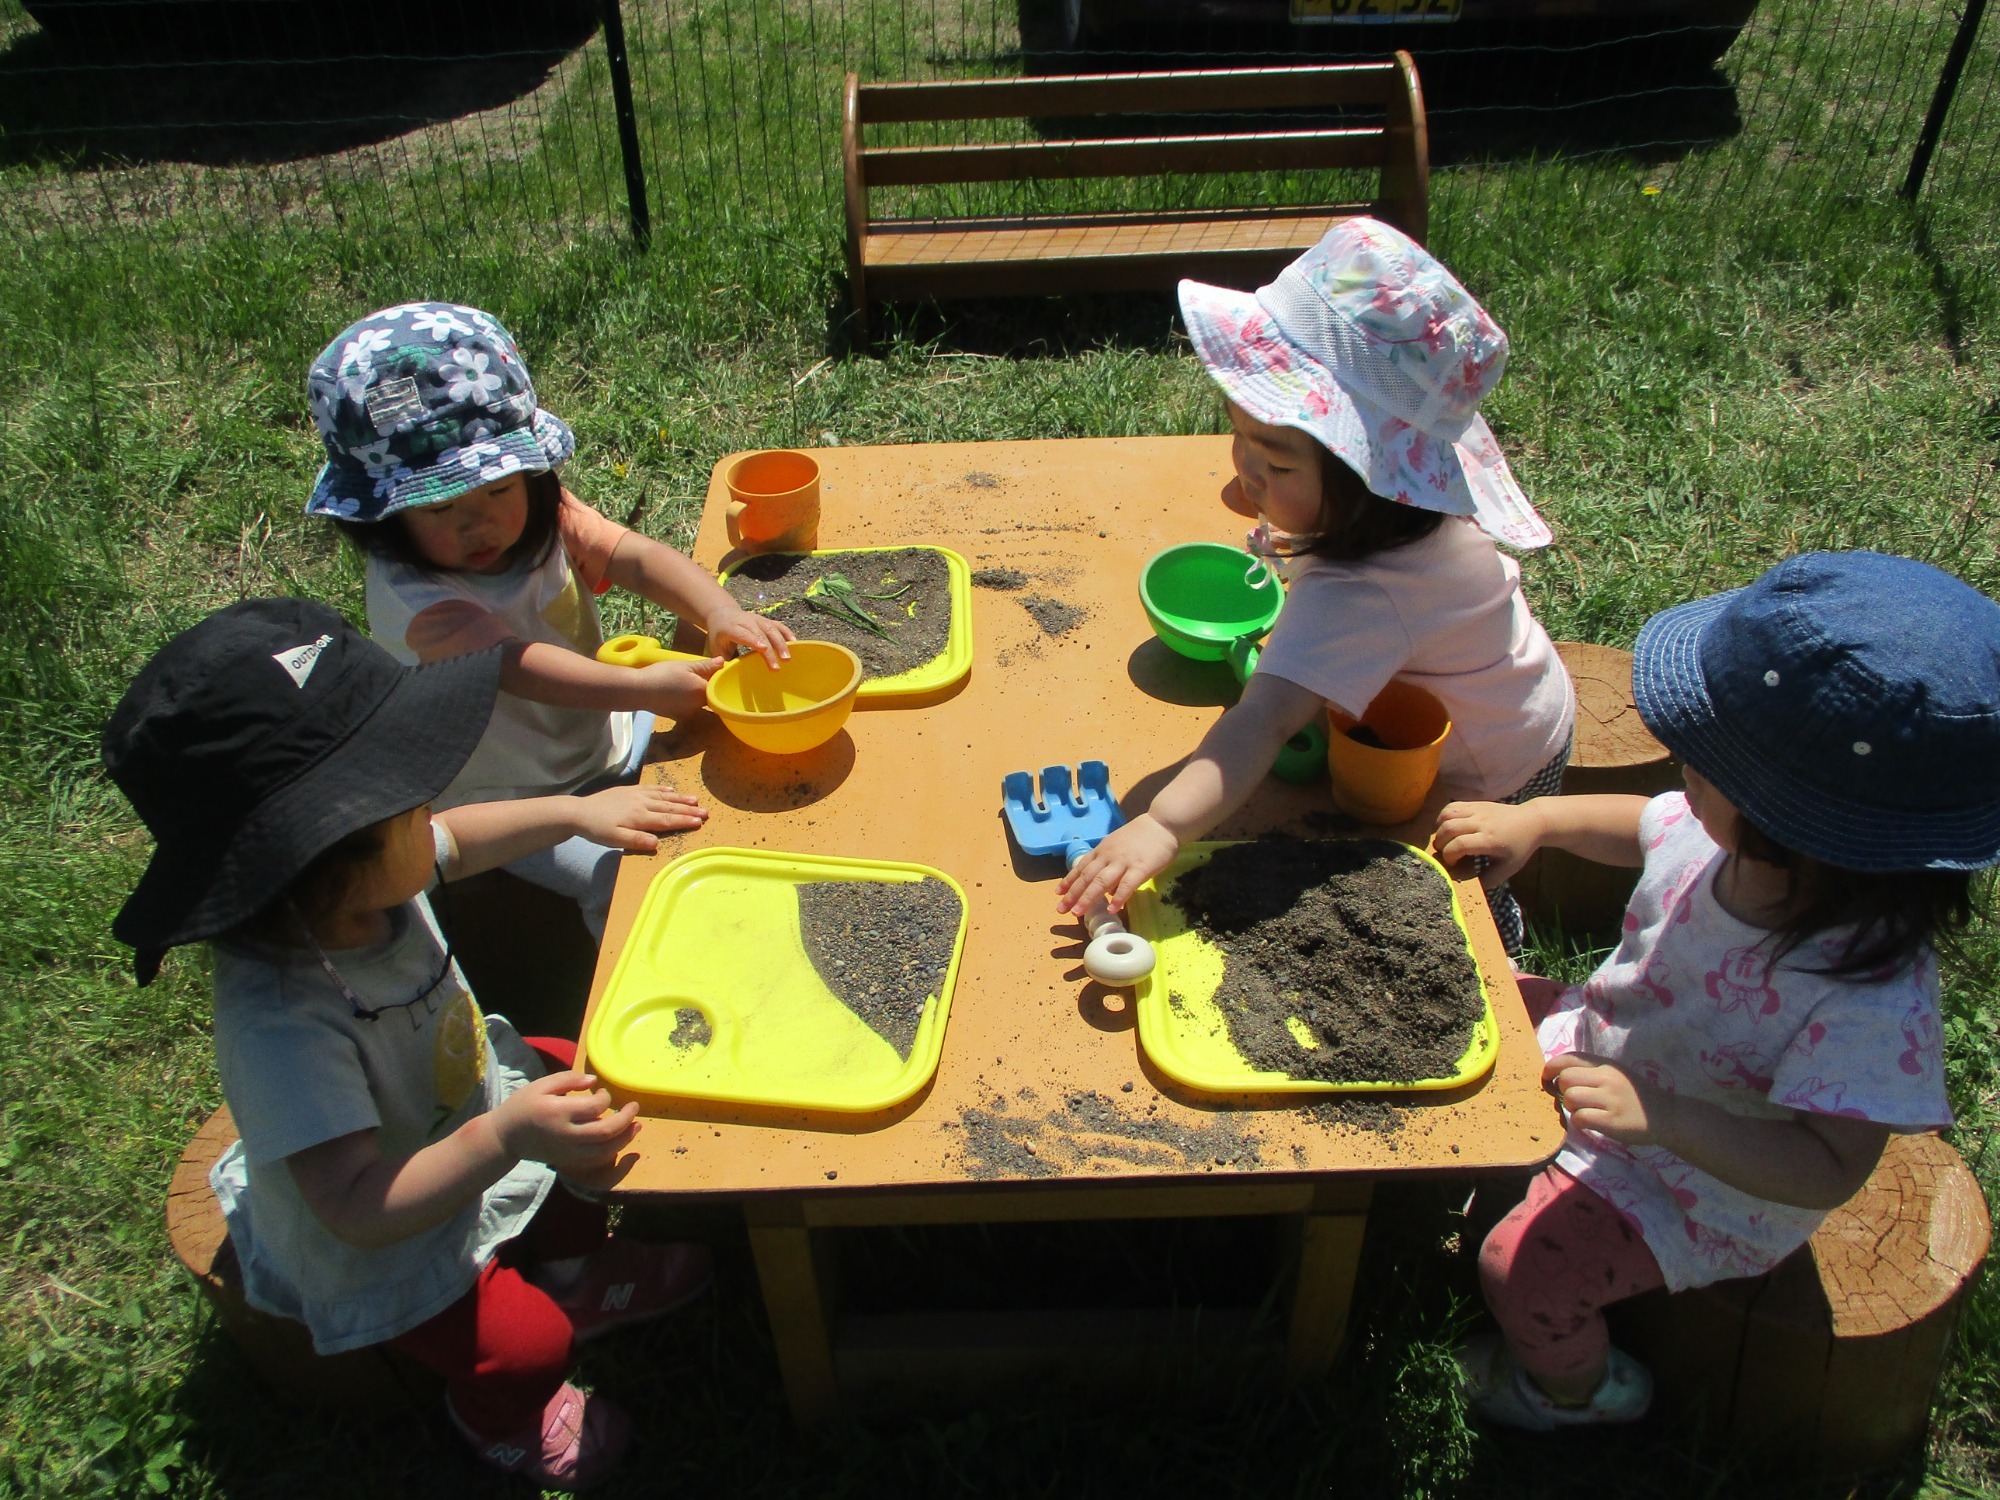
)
(1387, 784)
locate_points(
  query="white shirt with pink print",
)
(1690, 1003)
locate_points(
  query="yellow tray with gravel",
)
(1311, 966)
(806, 981)
(905, 611)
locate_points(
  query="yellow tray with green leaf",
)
(716, 997)
(1181, 1025)
(942, 670)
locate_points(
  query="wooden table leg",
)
(796, 1303)
(1329, 1256)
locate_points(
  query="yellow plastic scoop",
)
(639, 651)
(786, 710)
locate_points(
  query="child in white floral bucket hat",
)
(441, 469)
(1353, 383)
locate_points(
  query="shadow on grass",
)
(284, 85)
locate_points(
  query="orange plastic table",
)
(1044, 1106)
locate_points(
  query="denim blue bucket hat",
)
(418, 404)
(1848, 704)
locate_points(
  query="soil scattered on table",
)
(1090, 1133)
(1005, 579)
(883, 947)
(1053, 615)
(907, 592)
(1350, 940)
(691, 1029)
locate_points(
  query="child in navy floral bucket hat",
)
(1353, 383)
(1770, 1016)
(441, 468)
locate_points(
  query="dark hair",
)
(1357, 523)
(319, 887)
(389, 539)
(1894, 914)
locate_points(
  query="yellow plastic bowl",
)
(800, 705)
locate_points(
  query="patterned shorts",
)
(1546, 782)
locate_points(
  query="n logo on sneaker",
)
(506, 1454)
(618, 1298)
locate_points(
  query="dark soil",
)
(1052, 615)
(1004, 579)
(1362, 734)
(1092, 1127)
(917, 621)
(1355, 937)
(882, 946)
(691, 1029)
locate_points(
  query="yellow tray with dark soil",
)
(1182, 1027)
(716, 995)
(953, 659)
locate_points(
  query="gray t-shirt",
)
(300, 1068)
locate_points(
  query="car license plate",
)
(1371, 12)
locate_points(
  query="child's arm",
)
(543, 673)
(370, 1200)
(1602, 828)
(488, 834)
(1807, 1161)
(657, 572)
(1220, 776)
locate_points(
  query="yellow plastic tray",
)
(718, 932)
(940, 671)
(1187, 1038)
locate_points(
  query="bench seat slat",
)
(969, 241)
(1022, 161)
(1129, 93)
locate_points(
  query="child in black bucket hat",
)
(442, 469)
(396, 1179)
(1732, 1071)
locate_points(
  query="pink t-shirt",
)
(1447, 614)
(1689, 1002)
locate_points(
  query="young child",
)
(441, 469)
(396, 1180)
(1733, 1070)
(1353, 383)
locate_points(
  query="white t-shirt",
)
(1689, 1002)
(299, 1068)
(529, 749)
(1445, 613)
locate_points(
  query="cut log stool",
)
(1834, 1356)
(365, 1381)
(1613, 753)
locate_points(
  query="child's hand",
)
(1603, 1097)
(1505, 833)
(760, 633)
(565, 1120)
(630, 817)
(1118, 866)
(673, 689)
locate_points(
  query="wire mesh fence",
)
(179, 118)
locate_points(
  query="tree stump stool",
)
(1833, 1357)
(1613, 753)
(373, 1381)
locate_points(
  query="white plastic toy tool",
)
(1056, 818)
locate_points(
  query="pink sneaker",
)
(629, 1281)
(576, 1441)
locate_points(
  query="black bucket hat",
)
(258, 739)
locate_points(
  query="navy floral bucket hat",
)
(418, 404)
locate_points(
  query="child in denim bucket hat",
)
(442, 470)
(1353, 384)
(1732, 1071)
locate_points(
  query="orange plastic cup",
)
(1387, 785)
(773, 502)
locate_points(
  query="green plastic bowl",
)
(1200, 603)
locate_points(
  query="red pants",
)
(1552, 1265)
(504, 1347)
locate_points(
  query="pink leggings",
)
(1550, 1268)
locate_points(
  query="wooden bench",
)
(1833, 1357)
(1028, 254)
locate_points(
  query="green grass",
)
(1769, 354)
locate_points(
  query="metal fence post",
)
(628, 124)
(1954, 64)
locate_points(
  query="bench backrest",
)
(1398, 146)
